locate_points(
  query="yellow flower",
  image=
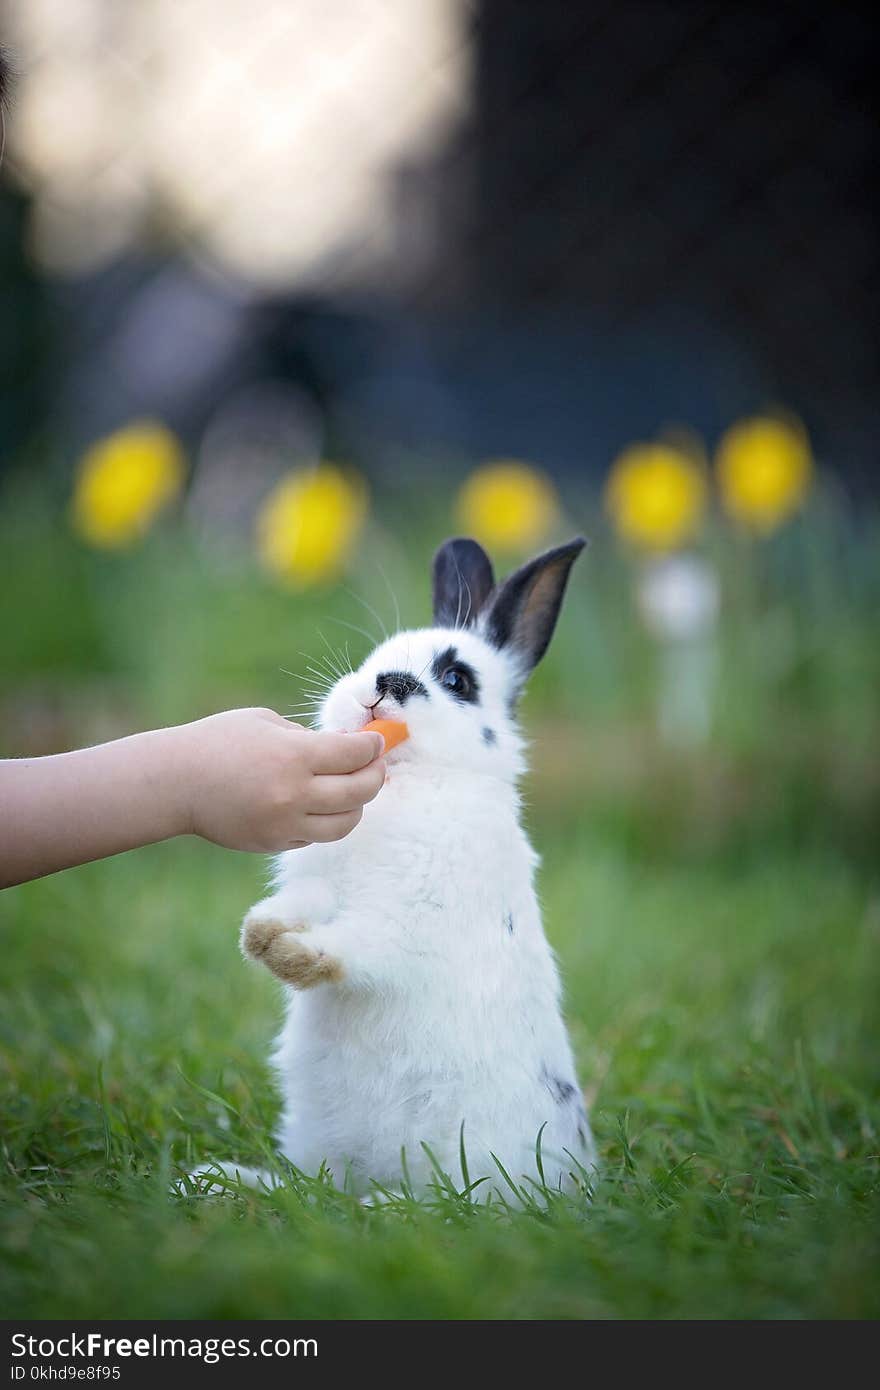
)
(507, 505)
(124, 481)
(765, 469)
(656, 495)
(308, 523)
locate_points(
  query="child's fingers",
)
(345, 752)
(330, 793)
(323, 828)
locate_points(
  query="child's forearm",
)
(72, 808)
(246, 779)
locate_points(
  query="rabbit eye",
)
(457, 682)
(456, 677)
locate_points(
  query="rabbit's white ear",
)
(463, 581)
(523, 612)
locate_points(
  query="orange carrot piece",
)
(393, 731)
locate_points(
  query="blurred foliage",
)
(765, 469)
(309, 522)
(508, 506)
(656, 496)
(124, 482)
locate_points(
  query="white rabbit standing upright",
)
(423, 993)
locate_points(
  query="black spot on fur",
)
(563, 1092)
(449, 660)
(489, 737)
(582, 1136)
(400, 685)
(508, 922)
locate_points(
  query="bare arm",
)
(245, 779)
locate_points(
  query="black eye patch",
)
(458, 678)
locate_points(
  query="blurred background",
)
(449, 229)
(289, 292)
(409, 241)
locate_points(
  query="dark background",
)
(651, 213)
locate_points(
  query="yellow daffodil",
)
(765, 468)
(656, 495)
(308, 523)
(507, 505)
(124, 481)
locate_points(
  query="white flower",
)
(679, 598)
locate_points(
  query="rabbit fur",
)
(423, 998)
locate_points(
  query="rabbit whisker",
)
(354, 628)
(335, 655)
(371, 610)
(392, 593)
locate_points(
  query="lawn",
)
(715, 909)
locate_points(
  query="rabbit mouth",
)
(386, 705)
(391, 713)
(382, 710)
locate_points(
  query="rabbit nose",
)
(400, 685)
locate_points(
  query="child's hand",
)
(245, 779)
(251, 780)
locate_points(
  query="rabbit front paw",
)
(285, 949)
(259, 931)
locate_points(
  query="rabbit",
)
(424, 1000)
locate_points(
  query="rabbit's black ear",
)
(5, 82)
(525, 608)
(463, 581)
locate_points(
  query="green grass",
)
(734, 1070)
(716, 912)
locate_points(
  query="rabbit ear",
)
(463, 581)
(5, 86)
(524, 610)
